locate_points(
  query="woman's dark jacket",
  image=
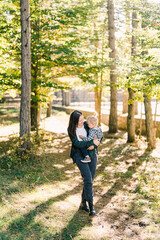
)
(81, 144)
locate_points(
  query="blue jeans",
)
(87, 172)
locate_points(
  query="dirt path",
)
(58, 123)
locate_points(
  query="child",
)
(95, 132)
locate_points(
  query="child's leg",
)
(84, 152)
(86, 156)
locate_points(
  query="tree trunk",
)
(35, 84)
(136, 108)
(39, 113)
(97, 88)
(34, 115)
(130, 118)
(67, 97)
(127, 51)
(113, 125)
(25, 120)
(140, 123)
(125, 101)
(131, 106)
(49, 109)
(150, 131)
(63, 97)
(98, 97)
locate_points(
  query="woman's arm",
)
(91, 136)
(81, 144)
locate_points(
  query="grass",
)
(40, 199)
(8, 114)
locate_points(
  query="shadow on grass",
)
(43, 172)
(75, 225)
(48, 166)
(124, 179)
(25, 222)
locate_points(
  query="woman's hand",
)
(96, 142)
(90, 148)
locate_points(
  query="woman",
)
(76, 127)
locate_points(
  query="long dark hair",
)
(73, 122)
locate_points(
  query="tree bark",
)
(35, 86)
(67, 97)
(98, 97)
(136, 108)
(127, 51)
(113, 123)
(130, 118)
(63, 98)
(125, 101)
(150, 131)
(131, 106)
(49, 109)
(97, 89)
(39, 113)
(34, 115)
(25, 120)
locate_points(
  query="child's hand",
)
(80, 136)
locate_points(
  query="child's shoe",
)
(86, 159)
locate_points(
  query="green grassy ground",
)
(40, 199)
(8, 114)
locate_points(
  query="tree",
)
(25, 120)
(54, 41)
(93, 51)
(10, 47)
(131, 101)
(54, 37)
(150, 131)
(113, 125)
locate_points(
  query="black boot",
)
(83, 206)
(91, 209)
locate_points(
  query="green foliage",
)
(141, 71)
(14, 156)
(72, 39)
(54, 37)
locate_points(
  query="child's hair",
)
(92, 119)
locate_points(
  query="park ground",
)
(40, 199)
